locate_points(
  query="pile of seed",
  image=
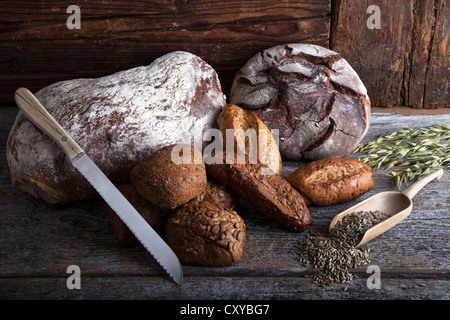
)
(336, 253)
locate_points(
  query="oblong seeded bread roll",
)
(207, 234)
(311, 94)
(332, 181)
(259, 182)
(118, 120)
(269, 194)
(166, 183)
(251, 137)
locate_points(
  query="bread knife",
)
(39, 116)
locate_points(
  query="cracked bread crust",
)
(311, 94)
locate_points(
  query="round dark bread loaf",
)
(310, 94)
(118, 120)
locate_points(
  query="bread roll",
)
(202, 233)
(166, 183)
(155, 216)
(310, 94)
(218, 193)
(250, 137)
(118, 120)
(268, 194)
(332, 181)
(259, 182)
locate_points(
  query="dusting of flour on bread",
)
(118, 119)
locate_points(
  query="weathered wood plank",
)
(38, 239)
(436, 89)
(429, 65)
(35, 64)
(369, 49)
(38, 48)
(168, 14)
(230, 288)
(404, 62)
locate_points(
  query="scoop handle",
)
(40, 117)
(412, 190)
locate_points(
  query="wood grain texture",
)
(38, 48)
(39, 241)
(405, 62)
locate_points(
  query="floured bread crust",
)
(118, 120)
(310, 94)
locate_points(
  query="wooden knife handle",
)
(40, 117)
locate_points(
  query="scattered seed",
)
(336, 252)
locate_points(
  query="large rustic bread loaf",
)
(331, 181)
(118, 120)
(311, 94)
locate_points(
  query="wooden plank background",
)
(406, 61)
(403, 63)
(38, 48)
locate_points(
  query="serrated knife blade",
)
(134, 221)
(157, 247)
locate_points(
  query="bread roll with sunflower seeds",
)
(206, 234)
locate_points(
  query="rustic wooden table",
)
(38, 242)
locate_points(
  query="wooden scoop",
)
(397, 205)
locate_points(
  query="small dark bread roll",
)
(169, 184)
(156, 217)
(218, 193)
(332, 181)
(203, 233)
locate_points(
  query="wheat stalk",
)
(411, 152)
